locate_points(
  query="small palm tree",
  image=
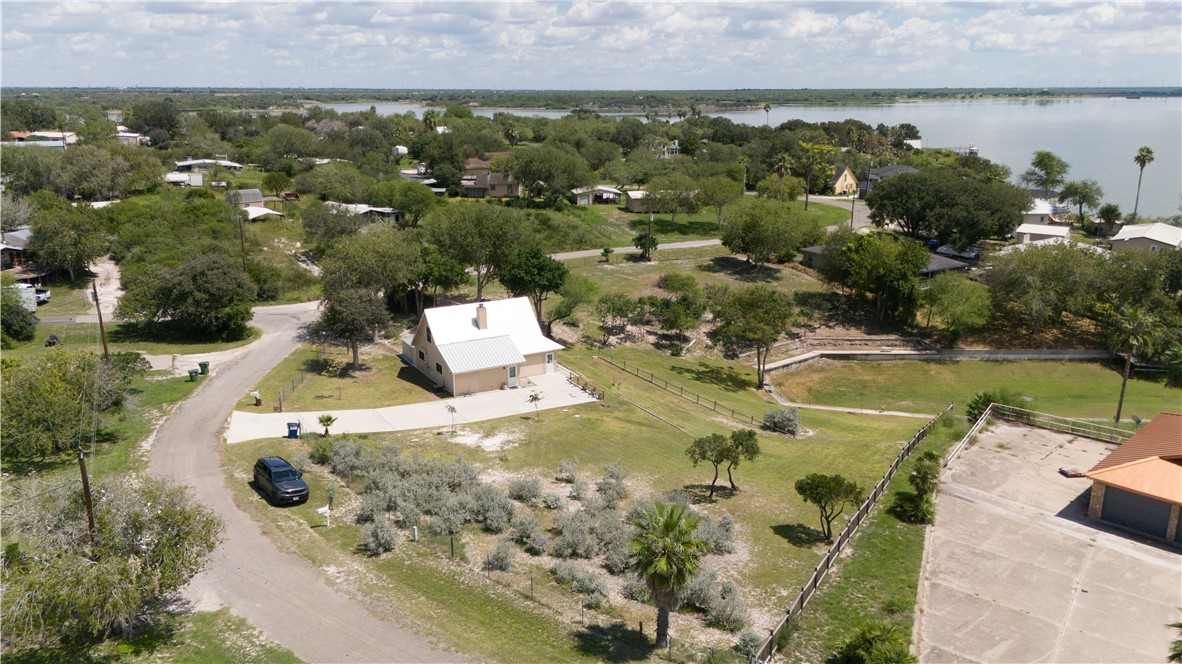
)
(667, 557)
(767, 114)
(452, 411)
(326, 421)
(1135, 332)
(1176, 645)
(1144, 158)
(535, 398)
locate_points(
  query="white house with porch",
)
(481, 346)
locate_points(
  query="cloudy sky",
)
(591, 45)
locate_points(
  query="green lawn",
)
(215, 637)
(67, 299)
(775, 526)
(383, 381)
(1068, 389)
(119, 338)
(879, 579)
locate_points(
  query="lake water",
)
(1098, 137)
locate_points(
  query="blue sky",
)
(591, 45)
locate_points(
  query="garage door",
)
(1136, 512)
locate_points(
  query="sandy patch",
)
(488, 443)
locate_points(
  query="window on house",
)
(428, 336)
(438, 368)
(422, 355)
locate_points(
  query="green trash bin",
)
(204, 366)
(193, 375)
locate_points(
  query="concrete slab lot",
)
(1014, 572)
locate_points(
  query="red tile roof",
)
(1149, 463)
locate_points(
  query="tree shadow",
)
(799, 535)
(664, 226)
(147, 638)
(25, 466)
(699, 494)
(741, 269)
(725, 377)
(614, 643)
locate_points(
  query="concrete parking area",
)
(1014, 572)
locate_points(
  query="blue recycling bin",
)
(293, 430)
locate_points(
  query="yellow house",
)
(844, 183)
(477, 347)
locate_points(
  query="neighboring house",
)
(492, 185)
(132, 138)
(1154, 237)
(68, 137)
(1050, 242)
(57, 145)
(1139, 485)
(879, 174)
(244, 197)
(13, 247)
(1042, 211)
(634, 200)
(812, 257)
(599, 193)
(1029, 232)
(207, 165)
(668, 150)
(362, 208)
(478, 347)
(844, 183)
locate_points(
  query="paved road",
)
(861, 212)
(276, 590)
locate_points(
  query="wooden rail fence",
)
(680, 391)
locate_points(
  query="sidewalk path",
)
(843, 409)
(555, 390)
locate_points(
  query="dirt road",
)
(278, 591)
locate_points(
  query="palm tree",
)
(1144, 158)
(767, 114)
(781, 166)
(535, 398)
(1135, 332)
(1176, 645)
(667, 557)
(326, 421)
(430, 119)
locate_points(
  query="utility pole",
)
(102, 329)
(86, 495)
(242, 240)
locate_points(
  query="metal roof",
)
(513, 317)
(1158, 232)
(1043, 229)
(479, 354)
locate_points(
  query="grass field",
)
(1068, 389)
(775, 533)
(120, 338)
(215, 637)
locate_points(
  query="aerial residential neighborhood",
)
(380, 364)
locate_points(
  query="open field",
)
(776, 548)
(1067, 389)
(120, 338)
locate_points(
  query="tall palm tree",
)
(767, 114)
(1134, 331)
(430, 119)
(667, 557)
(781, 166)
(1144, 158)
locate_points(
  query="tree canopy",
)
(482, 237)
(830, 494)
(752, 317)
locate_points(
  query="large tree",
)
(718, 191)
(959, 210)
(66, 238)
(415, 200)
(830, 494)
(1143, 158)
(482, 237)
(549, 168)
(815, 162)
(577, 290)
(1046, 173)
(352, 315)
(62, 585)
(1034, 287)
(887, 269)
(961, 304)
(208, 295)
(667, 555)
(17, 323)
(380, 258)
(1082, 193)
(753, 317)
(764, 229)
(534, 274)
(673, 193)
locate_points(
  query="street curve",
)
(278, 591)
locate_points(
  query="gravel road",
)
(278, 591)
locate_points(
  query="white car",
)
(42, 295)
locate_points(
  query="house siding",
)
(1142, 243)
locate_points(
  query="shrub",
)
(564, 572)
(784, 420)
(574, 538)
(912, 508)
(700, 590)
(619, 557)
(373, 506)
(566, 470)
(301, 462)
(579, 490)
(748, 643)
(678, 282)
(526, 490)
(409, 514)
(379, 537)
(636, 590)
(727, 610)
(552, 501)
(718, 536)
(595, 599)
(877, 642)
(348, 458)
(612, 488)
(489, 507)
(322, 450)
(529, 534)
(501, 559)
(982, 399)
(449, 518)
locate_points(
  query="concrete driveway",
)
(555, 390)
(1013, 571)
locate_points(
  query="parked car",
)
(279, 481)
(42, 295)
(52, 341)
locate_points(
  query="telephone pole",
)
(102, 329)
(86, 495)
